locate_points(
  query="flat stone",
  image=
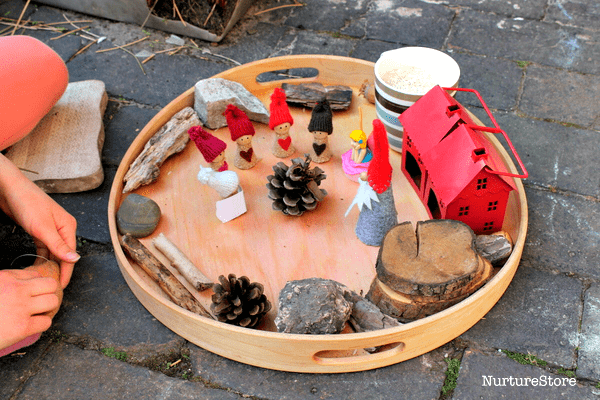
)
(545, 90)
(588, 363)
(533, 9)
(258, 43)
(88, 374)
(582, 13)
(212, 96)
(312, 306)
(310, 42)
(137, 215)
(485, 376)
(15, 367)
(370, 50)
(418, 378)
(548, 304)
(327, 15)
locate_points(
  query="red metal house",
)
(452, 165)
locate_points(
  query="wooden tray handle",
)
(333, 358)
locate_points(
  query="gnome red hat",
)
(209, 145)
(238, 122)
(280, 113)
(380, 170)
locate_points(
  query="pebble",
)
(138, 215)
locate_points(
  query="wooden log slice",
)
(438, 258)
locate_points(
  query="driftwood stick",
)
(366, 316)
(162, 276)
(187, 269)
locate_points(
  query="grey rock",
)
(138, 215)
(588, 365)
(312, 306)
(494, 248)
(211, 97)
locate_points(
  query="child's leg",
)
(32, 79)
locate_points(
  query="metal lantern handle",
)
(497, 129)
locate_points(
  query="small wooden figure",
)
(211, 147)
(321, 127)
(375, 220)
(356, 160)
(280, 121)
(242, 131)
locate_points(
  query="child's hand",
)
(24, 296)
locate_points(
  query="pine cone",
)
(295, 189)
(238, 302)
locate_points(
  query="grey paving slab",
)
(328, 15)
(583, 13)
(257, 43)
(539, 313)
(554, 155)
(563, 233)
(99, 304)
(498, 377)
(17, 367)
(90, 208)
(561, 95)
(409, 22)
(70, 373)
(419, 378)
(527, 40)
(497, 80)
(12, 9)
(310, 42)
(588, 364)
(370, 50)
(533, 9)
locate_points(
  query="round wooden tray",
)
(272, 248)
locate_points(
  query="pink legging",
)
(32, 79)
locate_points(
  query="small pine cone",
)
(295, 189)
(238, 302)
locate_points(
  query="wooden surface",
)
(272, 248)
(63, 152)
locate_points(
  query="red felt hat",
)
(280, 113)
(380, 170)
(238, 122)
(210, 146)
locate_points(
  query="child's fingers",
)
(39, 324)
(25, 274)
(41, 286)
(43, 303)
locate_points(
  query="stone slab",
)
(541, 42)
(564, 233)
(582, 13)
(548, 305)
(17, 367)
(310, 42)
(485, 376)
(370, 50)
(546, 89)
(69, 373)
(588, 364)
(259, 42)
(328, 15)
(418, 378)
(532, 9)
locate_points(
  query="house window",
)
(463, 211)
(412, 168)
(481, 183)
(492, 205)
(488, 226)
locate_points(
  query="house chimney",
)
(479, 154)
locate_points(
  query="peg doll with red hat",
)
(242, 131)
(280, 122)
(211, 147)
(321, 126)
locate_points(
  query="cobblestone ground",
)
(537, 64)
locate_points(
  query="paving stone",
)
(329, 15)
(545, 90)
(418, 378)
(582, 13)
(533, 9)
(548, 305)
(99, 304)
(541, 42)
(564, 233)
(121, 127)
(17, 367)
(497, 81)
(13, 8)
(68, 372)
(370, 50)
(90, 208)
(258, 43)
(498, 377)
(554, 155)
(308, 42)
(409, 22)
(588, 363)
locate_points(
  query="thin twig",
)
(178, 13)
(150, 57)
(121, 47)
(169, 49)
(20, 17)
(84, 48)
(69, 32)
(212, 10)
(278, 7)
(176, 50)
(149, 13)
(72, 23)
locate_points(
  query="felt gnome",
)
(375, 197)
(321, 127)
(211, 147)
(280, 121)
(242, 131)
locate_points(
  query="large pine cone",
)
(238, 302)
(295, 189)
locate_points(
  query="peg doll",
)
(242, 132)
(321, 127)
(211, 147)
(280, 122)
